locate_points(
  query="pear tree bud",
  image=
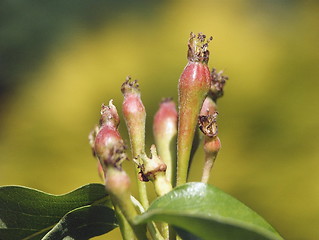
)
(135, 115)
(193, 87)
(165, 131)
(212, 145)
(108, 144)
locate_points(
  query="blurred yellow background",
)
(60, 60)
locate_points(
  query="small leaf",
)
(83, 223)
(201, 211)
(27, 213)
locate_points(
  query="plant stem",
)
(212, 146)
(138, 148)
(161, 184)
(129, 212)
(167, 152)
(142, 191)
(208, 165)
(125, 228)
(154, 232)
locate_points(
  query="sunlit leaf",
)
(201, 211)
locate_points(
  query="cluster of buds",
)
(109, 148)
(150, 169)
(198, 90)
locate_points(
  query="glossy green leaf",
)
(201, 211)
(27, 213)
(83, 223)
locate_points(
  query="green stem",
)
(154, 232)
(167, 151)
(211, 149)
(208, 165)
(142, 191)
(125, 228)
(182, 168)
(161, 184)
(137, 139)
(129, 212)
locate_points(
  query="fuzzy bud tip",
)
(109, 115)
(130, 87)
(198, 48)
(218, 83)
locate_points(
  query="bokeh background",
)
(59, 60)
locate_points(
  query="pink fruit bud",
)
(134, 114)
(208, 107)
(108, 144)
(193, 87)
(165, 119)
(212, 145)
(208, 125)
(165, 130)
(109, 115)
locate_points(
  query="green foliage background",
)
(60, 60)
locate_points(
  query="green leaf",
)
(84, 223)
(27, 213)
(201, 211)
